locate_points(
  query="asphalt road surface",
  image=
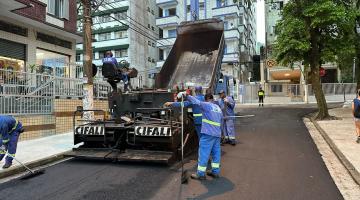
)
(275, 159)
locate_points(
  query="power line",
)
(139, 29)
(140, 25)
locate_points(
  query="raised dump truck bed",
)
(195, 58)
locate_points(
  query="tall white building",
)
(127, 28)
(240, 30)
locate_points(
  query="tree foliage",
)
(332, 21)
(312, 32)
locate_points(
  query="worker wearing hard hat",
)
(210, 136)
(10, 130)
(261, 95)
(195, 108)
(227, 105)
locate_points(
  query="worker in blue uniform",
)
(108, 58)
(196, 110)
(10, 130)
(227, 105)
(210, 136)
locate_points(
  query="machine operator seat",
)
(112, 74)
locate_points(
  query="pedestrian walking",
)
(356, 113)
(227, 105)
(196, 110)
(261, 95)
(10, 130)
(210, 136)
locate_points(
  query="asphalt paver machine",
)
(140, 128)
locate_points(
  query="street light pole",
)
(88, 100)
(354, 65)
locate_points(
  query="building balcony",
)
(232, 34)
(167, 21)
(231, 58)
(226, 11)
(160, 63)
(166, 3)
(165, 43)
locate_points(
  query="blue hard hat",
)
(198, 88)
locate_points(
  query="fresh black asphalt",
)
(275, 159)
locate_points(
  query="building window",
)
(149, 43)
(153, 44)
(172, 33)
(102, 54)
(221, 3)
(104, 36)
(201, 5)
(121, 53)
(148, 25)
(152, 28)
(120, 34)
(161, 54)
(77, 57)
(53, 63)
(58, 8)
(152, 12)
(161, 33)
(170, 12)
(160, 12)
(149, 59)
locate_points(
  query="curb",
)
(347, 164)
(33, 164)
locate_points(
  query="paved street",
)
(275, 159)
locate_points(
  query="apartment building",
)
(38, 35)
(127, 28)
(240, 30)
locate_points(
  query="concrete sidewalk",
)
(39, 151)
(340, 134)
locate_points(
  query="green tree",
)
(312, 32)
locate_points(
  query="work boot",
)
(6, 165)
(197, 177)
(358, 140)
(233, 142)
(210, 173)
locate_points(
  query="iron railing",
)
(32, 93)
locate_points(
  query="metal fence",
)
(283, 93)
(31, 93)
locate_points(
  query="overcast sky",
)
(260, 21)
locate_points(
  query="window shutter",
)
(66, 9)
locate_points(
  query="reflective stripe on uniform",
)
(232, 138)
(201, 168)
(2, 152)
(215, 165)
(261, 94)
(11, 155)
(6, 141)
(13, 129)
(197, 115)
(211, 122)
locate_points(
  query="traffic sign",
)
(270, 63)
(322, 71)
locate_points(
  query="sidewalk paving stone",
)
(342, 135)
(30, 151)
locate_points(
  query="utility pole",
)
(88, 100)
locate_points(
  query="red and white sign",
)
(322, 71)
